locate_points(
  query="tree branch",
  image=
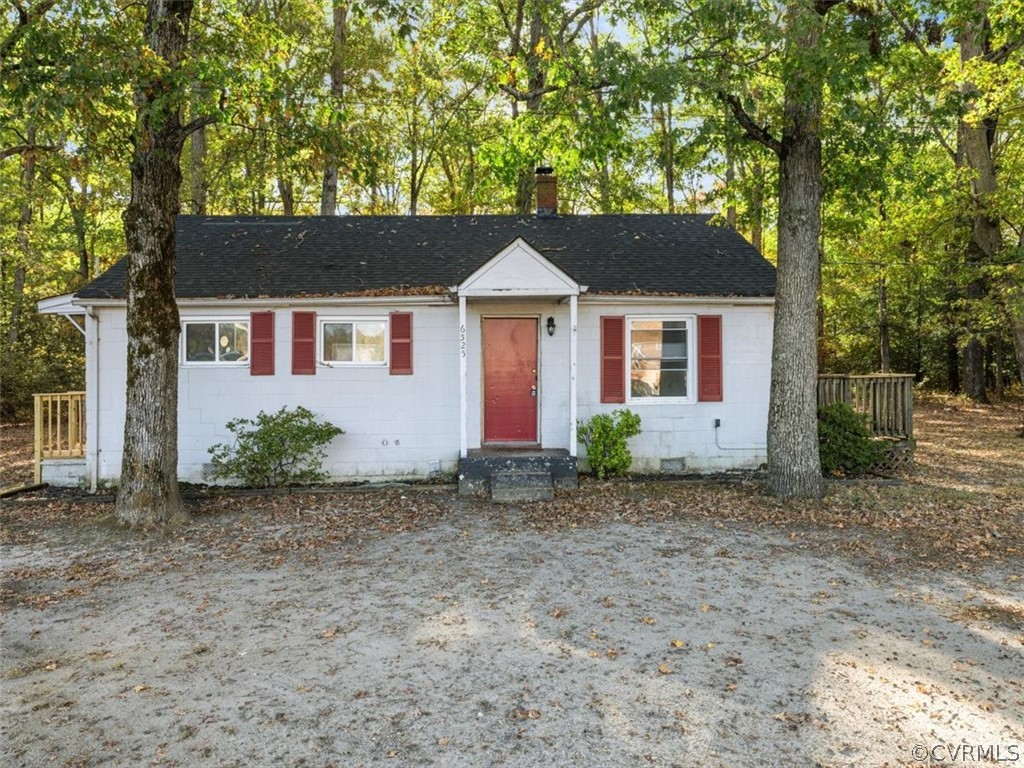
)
(750, 127)
(908, 31)
(200, 122)
(518, 95)
(505, 18)
(21, 149)
(579, 15)
(1003, 52)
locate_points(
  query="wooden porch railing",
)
(59, 427)
(886, 398)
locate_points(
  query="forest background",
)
(312, 107)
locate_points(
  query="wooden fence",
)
(59, 427)
(886, 398)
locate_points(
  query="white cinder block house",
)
(434, 338)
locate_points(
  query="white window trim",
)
(691, 361)
(320, 361)
(241, 320)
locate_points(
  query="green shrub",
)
(605, 437)
(283, 448)
(846, 444)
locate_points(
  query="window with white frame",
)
(661, 359)
(353, 342)
(216, 342)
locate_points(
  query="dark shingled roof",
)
(277, 257)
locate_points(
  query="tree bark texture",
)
(1017, 326)
(537, 80)
(339, 39)
(286, 187)
(974, 151)
(148, 492)
(794, 464)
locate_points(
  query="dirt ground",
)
(15, 454)
(624, 624)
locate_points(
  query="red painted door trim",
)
(510, 379)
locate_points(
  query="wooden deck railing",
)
(886, 398)
(59, 427)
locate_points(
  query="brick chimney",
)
(547, 192)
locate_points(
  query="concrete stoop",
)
(515, 475)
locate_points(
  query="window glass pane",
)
(658, 358)
(370, 342)
(338, 342)
(673, 339)
(233, 341)
(200, 342)
(673, 383)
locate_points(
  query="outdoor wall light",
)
(551, 326)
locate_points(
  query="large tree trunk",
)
(339, 39)
(537, 80)
(287, 189)
(1017, 326)
(974, 151)
(148, 491)
(794, 464)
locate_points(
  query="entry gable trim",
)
(518, 269)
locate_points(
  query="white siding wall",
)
(396, 426)
(687, 431)
(408, 426)
(109, 405)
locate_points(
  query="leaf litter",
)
(628, 622)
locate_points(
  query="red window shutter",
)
(709, 358)
(303, 343)
(401, 343)
(261, 344)
(613, 359)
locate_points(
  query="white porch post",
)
(92, 403)
(572, 374)
(463, 435)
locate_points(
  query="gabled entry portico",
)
(503, 306)
(517, 357)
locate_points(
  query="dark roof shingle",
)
(278, 257)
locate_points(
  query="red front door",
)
(510, 380)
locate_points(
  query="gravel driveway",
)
(453, 634)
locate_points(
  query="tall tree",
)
(339, 41)
(148, 490)
(794, 465)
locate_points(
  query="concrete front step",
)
(477, 470)
(521, 486)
